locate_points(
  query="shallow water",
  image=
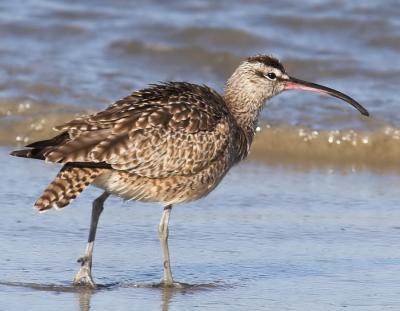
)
(268, 238)
(61, 58)
(310, 222)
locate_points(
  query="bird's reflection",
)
(167, 294)
(85, 296)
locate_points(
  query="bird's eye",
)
(271, 76)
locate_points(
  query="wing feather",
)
(168, 129)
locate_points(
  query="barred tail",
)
(66, 186)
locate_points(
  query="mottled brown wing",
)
(168, 129)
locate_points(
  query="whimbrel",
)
(169, 143)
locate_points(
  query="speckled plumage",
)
(168, 143)
(66, 186)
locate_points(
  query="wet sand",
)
(268, 238)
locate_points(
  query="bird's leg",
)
(84, 275)
(163, 234)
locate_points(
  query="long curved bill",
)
(297, 84)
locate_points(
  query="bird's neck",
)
(245, 105)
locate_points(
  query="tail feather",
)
(66, 186)
(56, 140)
(39, 149)
(29, 153)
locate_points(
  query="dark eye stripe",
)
(260, 74)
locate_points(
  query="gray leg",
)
(163, 234)
(84, 275)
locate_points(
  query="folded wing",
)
(167, 129)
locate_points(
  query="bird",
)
(169, 143)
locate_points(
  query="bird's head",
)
(261, 77)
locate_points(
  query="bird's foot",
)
(84, 275)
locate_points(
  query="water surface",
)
(267, 238)
(60, 59)
(310, 222)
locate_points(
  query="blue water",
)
(271, 236)
(267, 238)
(91, 53)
